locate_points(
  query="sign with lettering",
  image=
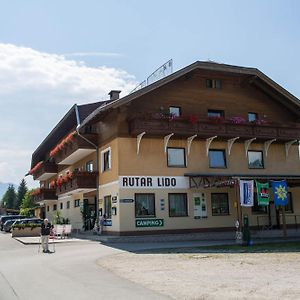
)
(153, 182)
(107, 222)
(149, 223)
(126, 200)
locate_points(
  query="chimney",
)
(114, 94)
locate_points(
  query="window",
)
(107, 206)
(255, 160)
(258, 209)
(219, 204)
(89, 166)
(48, 208)
(178, 205)
(68, 204)
(213, 83)
(77, 203)
(144, 205)
(289, 207)
(215, 113)
(106, 159)
(217, 159)
(61, 205)
(176, 157)
(252, 117)
(175, 110)
(54, 207)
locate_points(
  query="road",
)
(69, 273)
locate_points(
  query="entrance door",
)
(200, 207)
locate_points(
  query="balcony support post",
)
(247, 145)
(138, 142)
(230, 143)
(267, 145)
(189, 143)
(166, 141)
(287, 146)
(208, 142)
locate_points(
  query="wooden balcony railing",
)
(64, 156)
(43, 194)
(161, 127)
(45, 171)
(80, 182)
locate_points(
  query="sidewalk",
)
(36, 240)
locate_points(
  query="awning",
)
(204, 180)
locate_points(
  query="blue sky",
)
(57, 53)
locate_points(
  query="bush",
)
(28, 225)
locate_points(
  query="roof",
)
(71, 119)
(255, 74)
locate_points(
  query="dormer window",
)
(213, 83)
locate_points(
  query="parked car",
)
(7, 225)
(28, 221)
(5, 218)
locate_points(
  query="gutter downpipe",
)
(96, 226)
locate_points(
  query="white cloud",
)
(36, 90)
(102, 54)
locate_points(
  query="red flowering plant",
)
(237, 120)
(193, 119)
(69, 175)
(63, 143)
(35, 168)
(36, 192)
(53, 184)
(60, 180)
(260, 122)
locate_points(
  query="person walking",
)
(45, 232)
(102, 223)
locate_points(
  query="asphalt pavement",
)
(69, 273)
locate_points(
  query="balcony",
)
(183, 128)
(80, 182)
(44, 194)
(44, 171)
(76, 149)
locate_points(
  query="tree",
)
(10, 197)
(22, 190)
(27, 205)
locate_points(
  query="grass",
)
(274, 247)
(264, 247)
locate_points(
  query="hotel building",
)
(167, 158)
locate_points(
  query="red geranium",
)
(34, 169)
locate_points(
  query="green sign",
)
(149, 223)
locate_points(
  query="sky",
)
(57, 53)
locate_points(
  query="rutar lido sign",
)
(153, 182)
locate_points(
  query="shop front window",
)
(219, 204)
(178, 205)
(144, 205)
